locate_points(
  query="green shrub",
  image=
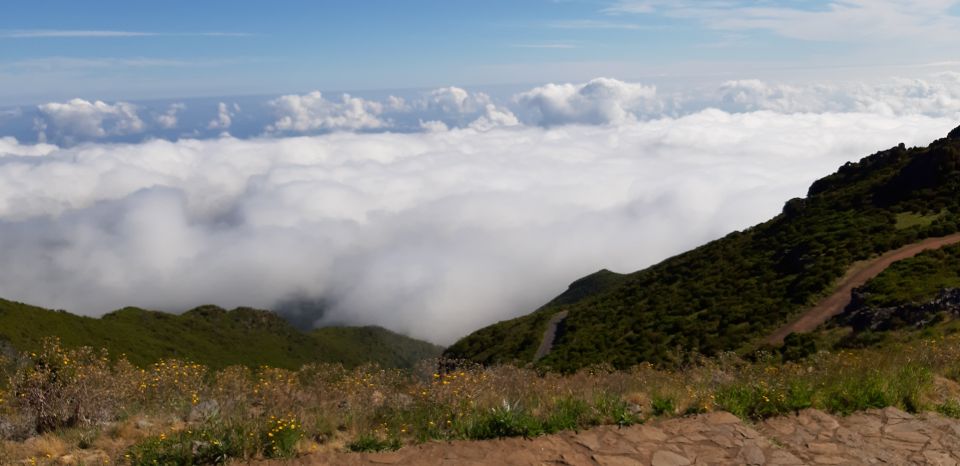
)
(797, 346)
(372, 443)
(281, 437)
(908, 385)
(613, 410)
(185, 448)
(567, 413)
(949, 408)
(504, 421)
(663, 405)
(217, 444)
(857, 393)
(760, 400)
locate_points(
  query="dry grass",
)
(85, 405)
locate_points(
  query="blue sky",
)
(55, 50)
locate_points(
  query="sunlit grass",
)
(141, 415)
(906, 220)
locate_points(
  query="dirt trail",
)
(859, 273)
(549, 335)
(887, 436)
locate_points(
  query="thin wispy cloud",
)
(71, 63)
(80, 33)
(595, 24)
(849, 20)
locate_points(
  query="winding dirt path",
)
(859, 274)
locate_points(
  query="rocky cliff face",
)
(911, 315)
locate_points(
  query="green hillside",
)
(915, 280)
(916, 298)
(729, 293)
(210, 335)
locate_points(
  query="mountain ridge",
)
(210, 335)
(729, 293)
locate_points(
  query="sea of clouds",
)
(432, 214)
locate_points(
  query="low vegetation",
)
(915, 280)
(209, 335)
(81, 403)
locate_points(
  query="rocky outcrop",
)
(862, 317)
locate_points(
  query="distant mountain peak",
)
(955, 134)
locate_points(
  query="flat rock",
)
(668, 458)
(895, 413)
(752, 455)
(779, 457)
(644, 434)
(889, 436)
(612, 460)
(939, 458)
(830, 460)
(720, 417)
(909, 436)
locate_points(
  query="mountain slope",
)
(729, 293)
(209, 335)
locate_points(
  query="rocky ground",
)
(887, 436)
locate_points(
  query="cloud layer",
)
(601, 101)
(433, 234)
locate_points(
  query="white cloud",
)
(454, 101)
(168, 119)
(752, 94)
(433, 126)
(432, 111)
(10, 147)
(432, 234)
(455, 107)
(79, 118)
(937, 95)
(312, 112)
(224, 119)
(494, 117)
(599, 101)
